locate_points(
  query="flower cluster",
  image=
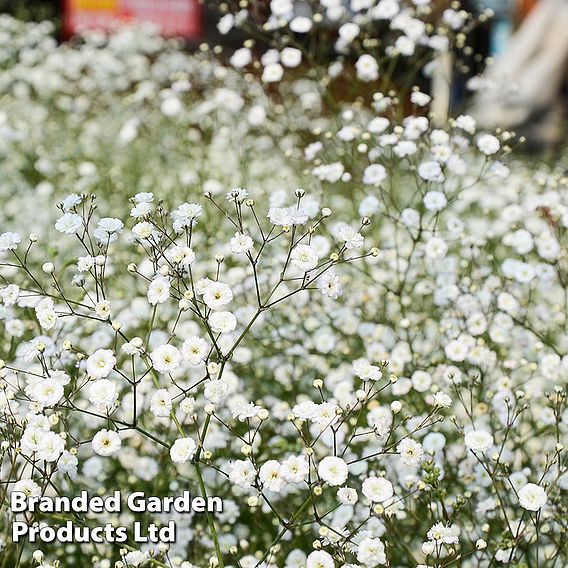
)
(369, 372)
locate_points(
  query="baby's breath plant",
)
(369, 371)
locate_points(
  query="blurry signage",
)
(173, 17)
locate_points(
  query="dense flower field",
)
(272, 277)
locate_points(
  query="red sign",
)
(173, 17)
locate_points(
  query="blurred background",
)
(525, 43)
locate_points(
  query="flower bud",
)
(48, 267)
(428, 548)
(396, 406)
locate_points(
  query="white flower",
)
(435, 201)
(46, 392)
(103, 394)
(216, 391)
(108, 229)
(320, 559)
(374, 174)
(378, 125)
(106, 442)
(135, 558)
(435, 248)
(226, 23)
(161, 403)
(241, 244)
(72, 200)
(420, 99)
(488, 144)
(466, 122)
(181, 255)
(367, 68)
(45, 314)
(347, 496)
(159, 290)
(143, 230)
(194, 350)
(272, 73)
(51, 447)
(371, 552)
(271, 477)
(430, 171)
(333, 470)
(67, 464)
(241, 411)
(69, 223)
(304, 257)
(217, 294)
(349, 31)
(27, 486)
(444, 534)
(532, 497)
(182, 450)
(301, 25)
(330, 285)
(442, 399)
(85, 263)
(410, 451)
(291, 57)
(295, 469)
(187, 405)
(478, 440)
(9, 294)
(222, 322)
(281, 216)
(171, 106)
(363, 369)
(165, 358)
(185, 215)
(241, 58)
(456, 350)
(350, 236)
(242, 473)
(9, 241)
(100, 363)
(377, 489)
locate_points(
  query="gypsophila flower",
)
(532, 497)
(161, 403)
(69, 223)
(377, 489)
(410, 451)
(106, 443)
(9, 241)
(478, 440)
(304, 257)
(320, 559)
(333, 470)
(183, 450)
(100, 363)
